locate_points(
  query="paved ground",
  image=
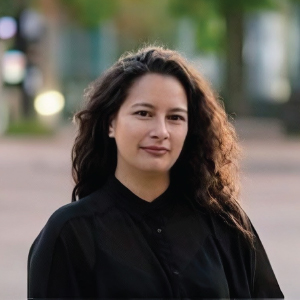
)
(35, 180)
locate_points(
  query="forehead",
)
(157, 89)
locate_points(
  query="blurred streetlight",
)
(49, 103)
(49, 106)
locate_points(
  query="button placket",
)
(163, 250)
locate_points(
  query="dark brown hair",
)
(207, 168)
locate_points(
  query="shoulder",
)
(65, 241)
(75, 217)
(95, 203)
(231, 237)
(252, 259)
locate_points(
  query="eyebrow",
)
(145, 104)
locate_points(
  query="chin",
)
(155, 167)
(158, 170)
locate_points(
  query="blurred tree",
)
(220, 26)
(210, 27)
(8, 8)
(144, 21)
(136, 20)
(90, 13)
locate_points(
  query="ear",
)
(111, 129)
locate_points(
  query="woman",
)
(155, 166)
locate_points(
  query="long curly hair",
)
(208, 167)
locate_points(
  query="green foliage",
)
(202, 8)
(8, 8)
(143, 21)
(210, 33)
(250, 5)
(90, 12)
(194, 9)
(209, 17)
(28, 127)
(209, 25)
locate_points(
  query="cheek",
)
(131, 134)
(135, 133)
(180, 135)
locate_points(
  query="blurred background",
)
(51, 49)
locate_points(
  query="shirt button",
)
(176, 272)
(159, 230)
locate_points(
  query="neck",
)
(146, 186)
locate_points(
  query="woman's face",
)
(151, 125)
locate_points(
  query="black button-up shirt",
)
(113, 244)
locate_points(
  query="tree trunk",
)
(234, 90)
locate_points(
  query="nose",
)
(160, 130)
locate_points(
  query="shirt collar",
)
(134, 204)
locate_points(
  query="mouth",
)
(155, 150)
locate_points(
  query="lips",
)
(155, 150)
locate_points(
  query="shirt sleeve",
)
(57, 263)
(265, 284)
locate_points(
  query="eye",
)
(176, 118)
(142, 113)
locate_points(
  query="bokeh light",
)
(13, 66)
(8, 27)
(49, 103)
